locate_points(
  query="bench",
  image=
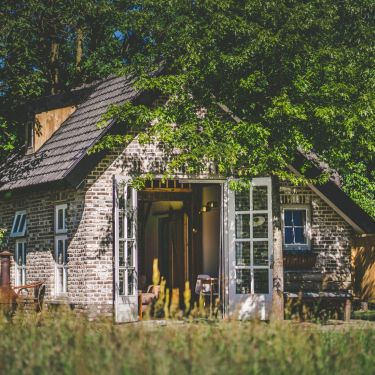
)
(330, 298)
(30, 296)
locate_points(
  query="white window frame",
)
(15, 231)
(59, 207)
(20, 270)
(63, 266)
(297, 207)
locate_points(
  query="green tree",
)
(294, 74)
(49, 46)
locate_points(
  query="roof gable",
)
(70, 142)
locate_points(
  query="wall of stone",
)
(330, 243)
(90, 253)
(40, 237)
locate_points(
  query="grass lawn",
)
(364, 315)
(66, 344)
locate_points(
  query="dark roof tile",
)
(59, 154)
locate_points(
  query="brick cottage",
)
(76, 224)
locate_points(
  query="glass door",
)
(250, 249)
(125, 251)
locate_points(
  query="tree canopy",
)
(291, 73)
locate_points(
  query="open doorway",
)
(179, 224)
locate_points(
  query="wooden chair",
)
(31, 296)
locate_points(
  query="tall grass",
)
(67, 344)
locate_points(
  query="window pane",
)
(243, 281)
(260, 251)
(19, 277)
(299, 217)
(260, 223)
(288, 217)
(19, 254)
(260, 198)
(16, 224)
(60, 251)
(121, 282)
(22, 224)
(23, 276)
(289, 236)
(24, 253)
(261, 281)
(65, 251)
(60, 219)
(243, 226)
(242, 253)
(131, 282)
(242, 200)
(299, 234)
(65, 280)
(60, 286)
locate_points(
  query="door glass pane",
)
(261, 281)
(130, 260)
(260, 198)
(242, 200)
(243, 281)
(121, 224)
(131, 282)
(260, 251)
(260, 226)
(121, 198)
(243, 226)
(121, 282)
(129, 198)
(121, 256)
(242, 253)
(130, 225)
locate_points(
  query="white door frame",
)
(250, 305)
(125, 251)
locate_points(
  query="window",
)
(61, 264)
(296, 228)
(60, 218)
(20, 262)
(19, 224)
(30, 136)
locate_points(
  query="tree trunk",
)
(79, 47)
(54, 67)
(278, 267)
